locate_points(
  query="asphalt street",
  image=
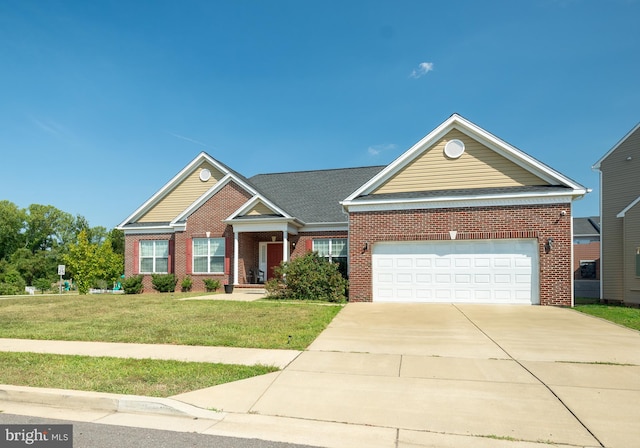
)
(94, 435)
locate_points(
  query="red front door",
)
(274, 257)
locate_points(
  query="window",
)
(154, 257)
(587, 269)
(208, 255)
(335, 250)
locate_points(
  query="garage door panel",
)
(480, 271)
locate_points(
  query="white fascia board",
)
(596, 166)
(148, 230)
(265, 225)
(401, 161)
(326, 227)
(628, 207)
(169, 185)
(518, 157)
(229, 177)
(477, 133)
(255, 200)
(456, 202)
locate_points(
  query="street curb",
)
(99, 401)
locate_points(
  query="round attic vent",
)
(205, 175)
(454, 148)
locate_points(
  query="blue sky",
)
(102, 102)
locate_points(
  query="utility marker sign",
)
(36, 436)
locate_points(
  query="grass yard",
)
(161, 319)
(146, 377)
(629, 317)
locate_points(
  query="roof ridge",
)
(321, 170)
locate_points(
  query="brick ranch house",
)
(461, 216)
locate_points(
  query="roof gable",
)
(628, 207)
(188, 189)
(487, 162)
(313, 196)
(477, 167)
(629, 134)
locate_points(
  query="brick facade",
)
(524, 221)
(590, 251)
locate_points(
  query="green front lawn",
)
(154, 378)
(161, 319)
(629, 317)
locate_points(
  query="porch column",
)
(285, 246)
(235, 258)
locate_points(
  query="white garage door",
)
(471, 271)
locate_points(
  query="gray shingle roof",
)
(586, 226)
(313, 196)
(466, 192)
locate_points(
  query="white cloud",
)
(375, 150)
(423, 69)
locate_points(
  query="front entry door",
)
(274, 257)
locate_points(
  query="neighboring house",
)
(462, 216)
(586, 248)
(620, 218)
(586, 256)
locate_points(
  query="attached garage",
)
(467, 271)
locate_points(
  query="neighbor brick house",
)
(620, 220)
(461, 216)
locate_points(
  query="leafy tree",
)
(31, 266)
(116, 236)
(12, 224)
(47, 227)
(89, 262)
(11, 282)
(308, 277)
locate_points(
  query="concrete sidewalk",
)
(401, 376)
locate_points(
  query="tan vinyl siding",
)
(260, 209)
(183, 195)
(620, 187)
(631, 245)
(478, 167)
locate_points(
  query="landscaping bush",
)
(186, 284)
(132, 285)
(211, 285)
(164, 282)
(308, 277)
(42, 284)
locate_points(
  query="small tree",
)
(43, 284)
(308, 277)
(90, 262)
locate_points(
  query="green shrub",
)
(11, 282)
(164, 282)
(42, 284)
(308, 277)
(186, 284)
(132, 285)
(211, 285)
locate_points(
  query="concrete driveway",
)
(461, 375)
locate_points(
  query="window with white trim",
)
(154, 256)
(208, 255)
(333, 249)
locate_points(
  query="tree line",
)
(36, 239)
